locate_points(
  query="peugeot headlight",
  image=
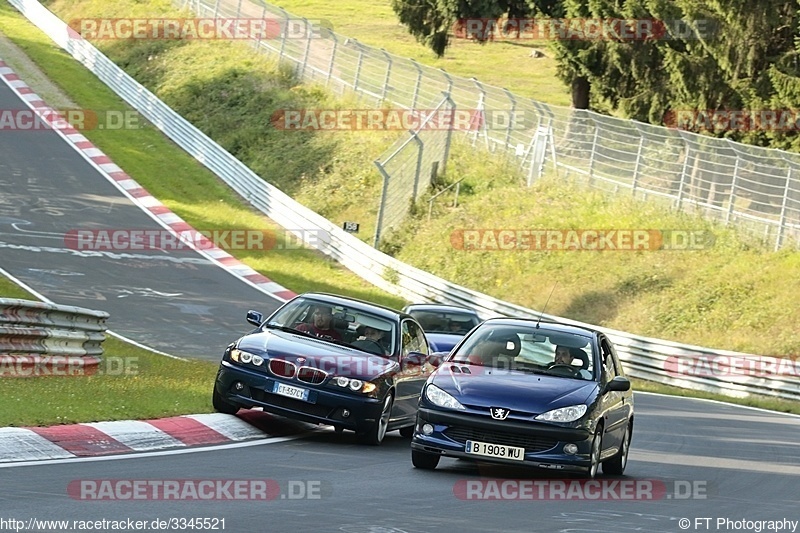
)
(564, 414)
(440, 398)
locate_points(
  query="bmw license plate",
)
(495, 450)
(292, 392)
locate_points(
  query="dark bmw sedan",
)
(520, 392)
(331, 360)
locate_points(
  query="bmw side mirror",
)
(416, 358)
(619, 383)
(255, 318)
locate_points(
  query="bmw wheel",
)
(616, 465)
(374, 432)
(221, 406)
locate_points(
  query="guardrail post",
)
(388, 73)
(782, 219)
(415, 96)
(732, 200)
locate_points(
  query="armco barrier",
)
(644, 357)
(39, 338)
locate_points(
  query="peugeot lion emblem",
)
(498, 413)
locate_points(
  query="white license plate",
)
(495, 450)
(292, 392)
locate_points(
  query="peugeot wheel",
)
(616, 465)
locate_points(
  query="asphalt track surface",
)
(744, 464)
(711, 461)
(177, 302)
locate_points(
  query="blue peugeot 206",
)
(524, 392)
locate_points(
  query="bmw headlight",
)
(564, 414)
(440, 398)
(355, 385)
(241, 356)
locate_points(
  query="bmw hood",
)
(316, 353)
(519, 391)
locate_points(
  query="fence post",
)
(382, 206)
(333, 58)
(512, 117)
(449, 80)
(782, 219)
(261, 33)
(594, 149)
(449, 138)
(732, 199)
(417, 173)
(358, 66)
(308, 29)
(284, 34)
(216, 9)
(683, 176)
(388, 73)
(239, 9)
(416, 85)
(637, 165)
(482, 111)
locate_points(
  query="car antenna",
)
(545, 305)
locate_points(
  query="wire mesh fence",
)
(756, 190)
(409, 166)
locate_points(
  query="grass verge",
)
(132, 383)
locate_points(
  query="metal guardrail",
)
(644, 357)
(42, 337)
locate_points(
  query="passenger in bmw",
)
(322, 325)
(374, 330)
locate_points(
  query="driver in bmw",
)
(322, 324)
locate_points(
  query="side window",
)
(608, 359)
(413, 339)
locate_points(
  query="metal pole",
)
(512, 118)
(239, 10)
(260, 34)
(482, 108)
(449, 137)
(333, 57)
(732, 200)
(637, 165)
(284, 34)
(358, 68)
(308, 28)
(782, 220)
(388, 73)
(417, 85)
(216, 9)
(683, 177)
(594, 148)
(421, 145)
(382, 206)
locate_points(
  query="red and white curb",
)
(135, 192)
(129, 436)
